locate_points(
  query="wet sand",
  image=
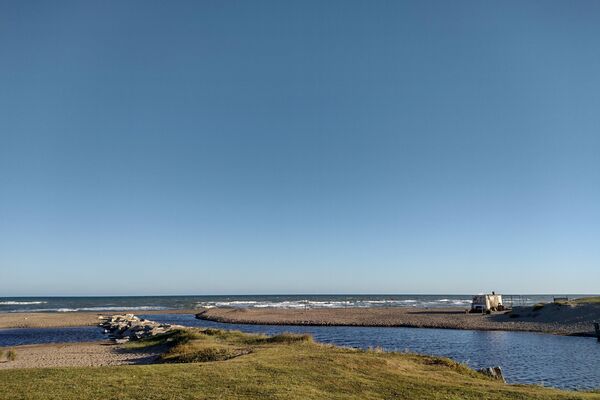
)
(77, 355)
(59, 320)
(555, 319)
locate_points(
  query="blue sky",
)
(237, 147)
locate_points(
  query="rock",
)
(493, 372)
(122, 328)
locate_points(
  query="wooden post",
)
(597, 327)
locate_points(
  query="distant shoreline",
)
(552, 319)
(138, 304)
(15, 320)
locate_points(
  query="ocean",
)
(153, 303)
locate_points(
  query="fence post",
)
(597, 327)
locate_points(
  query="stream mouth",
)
(565, 362)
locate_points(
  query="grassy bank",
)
(214, 364)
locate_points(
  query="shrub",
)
(11, 355)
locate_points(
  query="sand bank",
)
(58, 319)
(552, 318)
(77, 355)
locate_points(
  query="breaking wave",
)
(108, 308)
(336, 303)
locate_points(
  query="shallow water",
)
(21, 336)
(559, 361)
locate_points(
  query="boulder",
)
(122, 328)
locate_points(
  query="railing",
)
(514, 300)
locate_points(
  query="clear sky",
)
(244, 147)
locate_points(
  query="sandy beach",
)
(58, 319)
(77, 355)
(552, 318)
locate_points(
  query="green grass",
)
(587, 300)
(233, 365)
(581, 300)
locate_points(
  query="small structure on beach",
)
(487, 302)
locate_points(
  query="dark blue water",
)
(559, 361)
(17, 337)
(142, 303)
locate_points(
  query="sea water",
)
(146, 303)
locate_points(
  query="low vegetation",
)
(579, 301)
(218, 364)
(587, 300)
(11, 354)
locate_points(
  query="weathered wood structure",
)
(487, 302)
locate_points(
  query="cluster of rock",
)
(493, 372)
(122, 328)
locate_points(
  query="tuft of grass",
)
(288, 338)
(222, 334)
(11, 355)
(214, 332)
(447, 363)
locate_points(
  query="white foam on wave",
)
(121, 308)
(108, 308)
(354, 303)
(20, 303)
